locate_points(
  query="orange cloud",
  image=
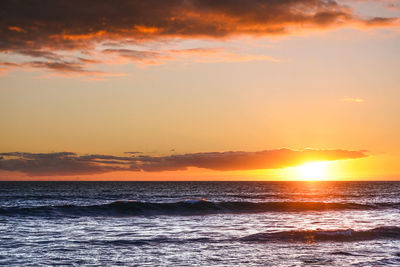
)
(14, 28)
(47, 29)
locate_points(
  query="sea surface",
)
(200, 223)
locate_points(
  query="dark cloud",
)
(68, 163)
(8, 64)
(46, 27)
(88, 61)
(136, 55)
(68, 67)
(238, 160)
(133, 152)
(45, 164)
(58, 66)
(39, 53)
(379, 21)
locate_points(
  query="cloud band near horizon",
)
(69, 163)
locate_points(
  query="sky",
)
(200, 90)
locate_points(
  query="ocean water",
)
(200, 223)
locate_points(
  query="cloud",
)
(391, 5)
(62, 163)
(60, 67)
(68, 163)
(133, 152)
(49, 28)
(138, 56)
(39, 53)
(6, 66)
(192, 54)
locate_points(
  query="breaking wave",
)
(312, 236)
(190, 207)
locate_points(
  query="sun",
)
(313, 171)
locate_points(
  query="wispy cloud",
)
(77, 67)
(392, 5)
(147, 57)
(68, 163)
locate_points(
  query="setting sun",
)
(313, 171)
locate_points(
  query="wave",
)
(312, 236)
(148, 242)
(190, 207)
(294, 236)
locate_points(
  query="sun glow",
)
(313, 171)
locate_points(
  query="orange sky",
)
(203, 90)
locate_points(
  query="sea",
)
(200, 223)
